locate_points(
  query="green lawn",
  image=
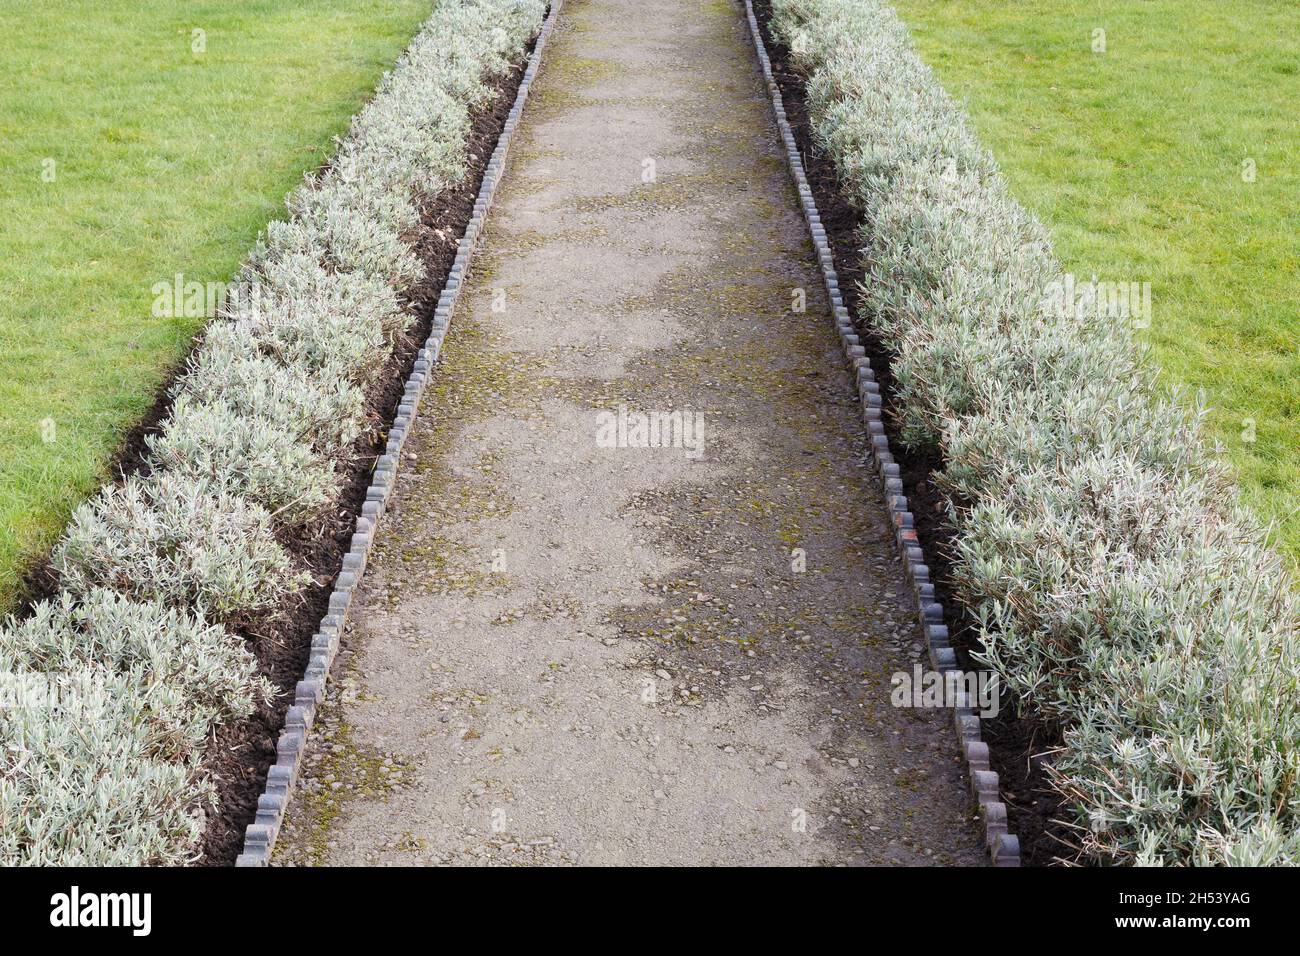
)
(1134, 158)
(164, 160)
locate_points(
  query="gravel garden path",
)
(569, 653)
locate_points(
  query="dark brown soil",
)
(1017, 743)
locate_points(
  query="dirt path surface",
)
(569, 653)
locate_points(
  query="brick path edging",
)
(261, 834)
(1003, 846)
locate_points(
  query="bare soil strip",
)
(564, 652)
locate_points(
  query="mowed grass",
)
(1137, 158)
(132, 149)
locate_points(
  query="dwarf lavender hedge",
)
(1118, 588)
(112, 688)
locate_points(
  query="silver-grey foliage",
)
(183, 541)
(106, 704)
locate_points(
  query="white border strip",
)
(260, 837)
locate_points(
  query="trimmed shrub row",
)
(113, 688)
(1118, 588)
